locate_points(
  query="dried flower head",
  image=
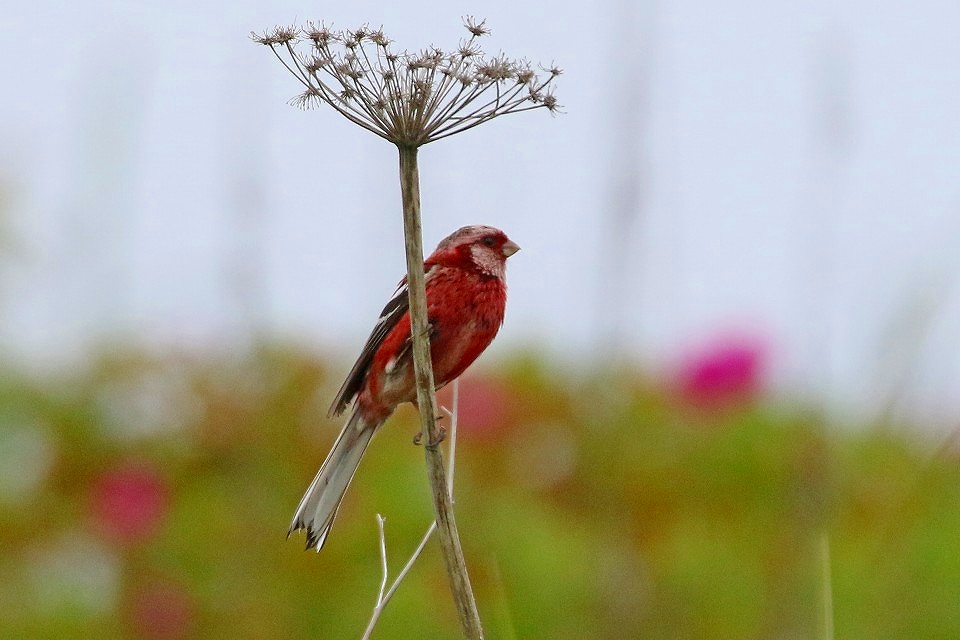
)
(408, 99)
(319, 34)
(277, 36)
(476, 28)
(377, 38)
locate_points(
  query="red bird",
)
(466, 295)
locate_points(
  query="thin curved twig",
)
(384, 598)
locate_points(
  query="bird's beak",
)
(509, 248)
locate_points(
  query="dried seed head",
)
(409, 99)
(379, 39)
(478, 29)
(525, 73)
(468, 50)
(283, 35)
(319, 34)
(496, 70)
(279, 35)
(260, 38)
(308, 99)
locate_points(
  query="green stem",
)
(826, 586)
(426, 398)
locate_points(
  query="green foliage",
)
(149, 497)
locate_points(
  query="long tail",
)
(319, 504)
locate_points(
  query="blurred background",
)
(723, 404)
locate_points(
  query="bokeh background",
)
(723, 404)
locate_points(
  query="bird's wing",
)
(389, 318)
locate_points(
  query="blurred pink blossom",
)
(129, 502)
(727, 370)
(484, 405)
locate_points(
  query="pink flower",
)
(484, 405)
(129, 502)
(729, 370)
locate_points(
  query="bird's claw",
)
(441, 436)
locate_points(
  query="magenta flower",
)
(729, 370)
(129, 502)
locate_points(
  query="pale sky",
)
(798, 167)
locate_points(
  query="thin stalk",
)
(826, 587)
(383, 597)
(453, 435)
(426, 399)
(383, 557)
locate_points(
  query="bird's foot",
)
(441, 436)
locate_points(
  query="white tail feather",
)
(319, 504)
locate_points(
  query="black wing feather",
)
(389, 318)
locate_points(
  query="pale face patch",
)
(488, 260)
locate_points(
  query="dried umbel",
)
(409, 99)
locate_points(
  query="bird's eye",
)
(489, 241)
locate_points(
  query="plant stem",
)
(384, 598)
(426, 399)
(826, 586)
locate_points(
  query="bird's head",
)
(476, 246)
